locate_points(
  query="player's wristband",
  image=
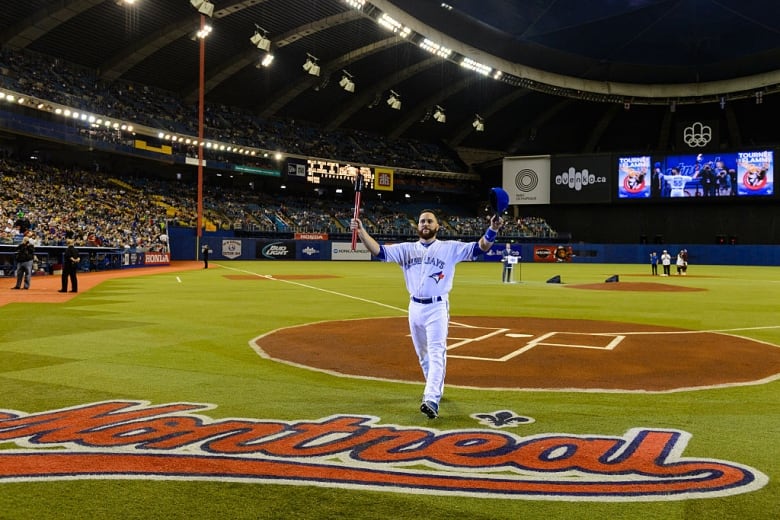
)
(490, 235)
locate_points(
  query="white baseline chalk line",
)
(305, 286)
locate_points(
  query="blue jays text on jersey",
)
(424, 259)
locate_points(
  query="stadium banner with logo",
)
(581, 179)
(312, 250)
(697, 136)
(634, 176)
(257, 171)
(755, 173)
(156, 258)
(544, 253)
(231, 248)
(163, 148)
(343, 251)
(311, 236)
(194, 161)
(551, 253)
(383, 179)
(527, 179)
(275, 250)
(296, 168)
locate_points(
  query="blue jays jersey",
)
(429, 269)
(677, 182)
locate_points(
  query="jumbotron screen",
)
(721, 174)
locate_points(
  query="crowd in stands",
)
(520, 227)
(79, 88)
(53, 203)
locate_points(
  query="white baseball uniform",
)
(428, 271)
(677, 183)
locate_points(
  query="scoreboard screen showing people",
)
(699, 175)
(720, 174)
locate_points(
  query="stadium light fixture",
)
(394, 100)
(310, 65)
(267, 60)
(439, 115)
(479, 123)
(435, 48)
(260, 39)
(346, 82)
(203, 7)
(202, 33)
(393, 25)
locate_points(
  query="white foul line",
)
(271, 277)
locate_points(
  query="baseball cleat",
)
(430, 409)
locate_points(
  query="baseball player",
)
(677, 183)
(429, 266)
(666, 262)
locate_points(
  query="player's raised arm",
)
(371, 244)
(486, 240)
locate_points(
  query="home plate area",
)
(539, 353)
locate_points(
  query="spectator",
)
(25, 254)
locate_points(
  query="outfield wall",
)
(226, 246)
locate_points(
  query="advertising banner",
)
(527, 179)
(163, 149)
(494, 254)
(755, 172)
(311, 236)
(275, 250)
(343, 251)
(296, 168)
(257, 171)
(634, 177)
(581, 179)
(383, 179)
(551, 253)
(231, 248)
(312, 250)
(157, 258)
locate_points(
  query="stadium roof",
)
(575, 76)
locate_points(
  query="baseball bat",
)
(356, 214)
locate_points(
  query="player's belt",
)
(427, 300)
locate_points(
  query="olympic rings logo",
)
(697, 135)
(526, 180)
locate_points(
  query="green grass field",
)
(185, 337)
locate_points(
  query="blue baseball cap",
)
(499, 200)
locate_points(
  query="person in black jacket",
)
(70, 266)
(205, 250)
(25, 254)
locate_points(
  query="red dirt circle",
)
(532, 353)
